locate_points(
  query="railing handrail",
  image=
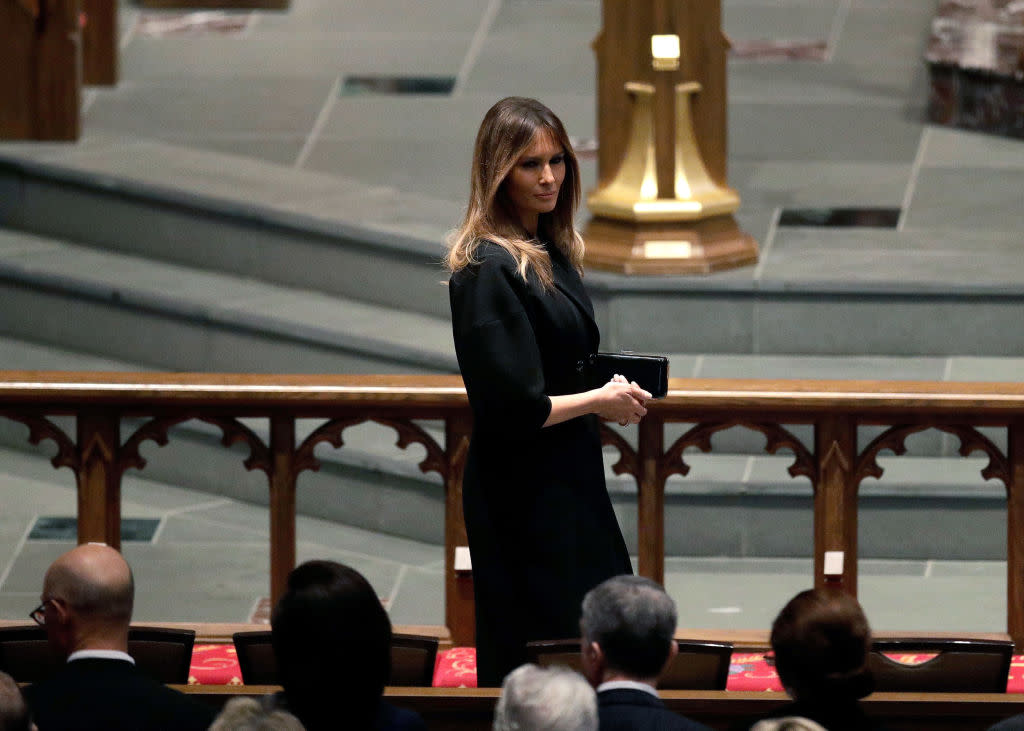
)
(684, 394)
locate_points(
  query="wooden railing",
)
(835, 464)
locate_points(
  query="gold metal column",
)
(662, 205)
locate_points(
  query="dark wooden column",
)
(99, 42)
(651, 499)
(835, 498)
(282, 503)
(99, 478)
(40, 69)
(1015, 535)
(459, 604)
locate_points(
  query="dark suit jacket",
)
(111, 695)
(541, 527)
(625, 710)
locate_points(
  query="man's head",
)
(628, 628)
(14, 715)
(87, 600)
(545, 699)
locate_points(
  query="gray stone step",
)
(234, 215)
(817, 291)
(181, 318)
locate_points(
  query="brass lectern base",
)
(692, 247)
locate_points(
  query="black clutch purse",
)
(649, 371)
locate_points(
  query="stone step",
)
(376, 244)
(174, 317)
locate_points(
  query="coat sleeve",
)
(496, 347)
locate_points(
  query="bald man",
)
(86, 608)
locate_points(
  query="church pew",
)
(472, 709)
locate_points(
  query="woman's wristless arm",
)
(616, 400)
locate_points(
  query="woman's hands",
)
(617, 400)
(622, 401)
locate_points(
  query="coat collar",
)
(571, 285)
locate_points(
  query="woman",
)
(821, 640)
(541, 527)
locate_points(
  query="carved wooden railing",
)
(834, 463)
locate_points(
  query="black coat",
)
(541, 527)
(111, 695)
(625, 709)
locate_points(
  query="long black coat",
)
(541, 527)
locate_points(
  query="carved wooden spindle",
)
(835, 498)
(282, 503)
(1015, 535)
(99, 477)
(459, 605)
(651, 498)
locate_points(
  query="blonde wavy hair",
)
(507, 131)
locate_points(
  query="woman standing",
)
(540, 523)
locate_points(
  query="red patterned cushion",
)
(456, 668)
(214, 665)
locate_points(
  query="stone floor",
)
(208, 561)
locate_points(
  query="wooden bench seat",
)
(472, 709)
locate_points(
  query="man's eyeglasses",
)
(38, 614)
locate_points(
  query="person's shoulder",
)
(393, 718)
(491, 262)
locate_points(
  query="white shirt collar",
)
(100, 655)
(626, 685)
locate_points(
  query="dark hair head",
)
(821, 641)
(506, 132)
(634, 622)
(332, 642)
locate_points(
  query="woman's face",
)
(533, 184)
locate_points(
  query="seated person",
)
(14, 715)
(332, 643)
(545, 699)
(628, 628)
(821, 641)
(87, 600)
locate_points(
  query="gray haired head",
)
(545, 699)
(634, 622)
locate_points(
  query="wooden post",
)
(99, 42)
(835, 498)
(282, 503)
(1015, 535)
(663, 205)
(651, 499)
(41, 78)
(459, 604)
(99, 478)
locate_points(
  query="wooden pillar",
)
(1015, 536)
(99, 478)
(651, 499)
(663, 205)
(835, 498)
(99, 42)
(282, 503)
(459, 604)
(40, 69)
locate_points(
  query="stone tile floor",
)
(208, 562)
